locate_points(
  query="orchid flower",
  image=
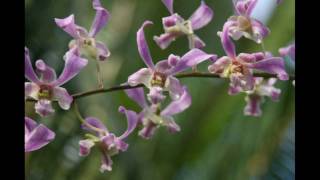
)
(175, 26)
(240, 68)
(160, 77)
(289, 51)
(36, 136)
(86, 42)
(255, 98)
(151, 117)
(45, 87)
(279, 1)
(108, 143)
(289, 54)
(242, 24)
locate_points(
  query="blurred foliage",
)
(216, 142)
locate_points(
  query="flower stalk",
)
(77, 112)
(99, 75)
(179, 76)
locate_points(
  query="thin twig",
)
(180, 76)
(104, 90)
(83, 121)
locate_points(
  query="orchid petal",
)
(260, 31)
(169, 5)
(155, 95)
(178, 105)
(253, 106)
(137, 95)
(251, 5)
(227, 43)
(273, 65)
(85, 147)
(143, 46)
(28, 69)
(106, 163)
(201, 17)
(163, 66)
(148, 131)
(100, 20)
(37, 135)
(190, 59)
(288, 51)
(196, 42)
(142, 76)
(47, 74)
(267, 89)
(73, 65)
(31, 90)
(44, 107)
(220, 65)
(132, 120)
(103, 51)
(68, 25)
(63, 97)
(171, 125)
(164, 40)
(175, 88)
(173, 60)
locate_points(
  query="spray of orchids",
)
(241, 69)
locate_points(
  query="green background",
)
(216, 140)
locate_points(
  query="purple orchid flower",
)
(108, 143)
(175, 26)
(240, 68)
(279, 1)
(36, 136)
(289, 51)
(255, 98)
(85, 42)
(151, 117)
(45, 87)
(160, 77)
(242, 24)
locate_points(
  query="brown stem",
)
(180, 76)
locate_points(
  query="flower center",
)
(158, 79)
(89, 48)
(237, 67)
(88, 41)
(110, 149)
(45, 92)
(183, 27)
(186, 27)
(244, 23)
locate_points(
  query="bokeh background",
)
(217, 142)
